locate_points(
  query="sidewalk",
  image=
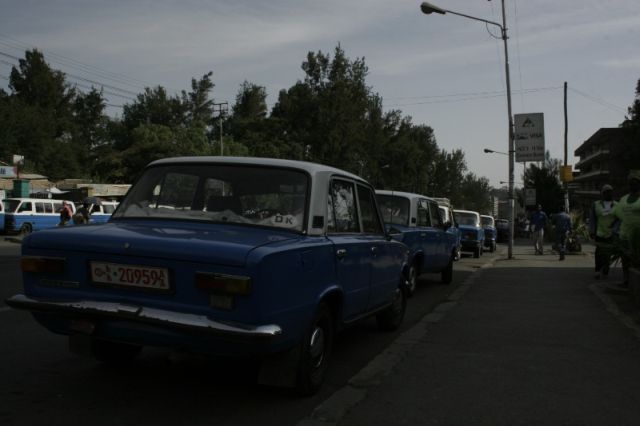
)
(529, 342)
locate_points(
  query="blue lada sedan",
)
(472, 234)
(490, 232)
(242, 257)
(416, 221)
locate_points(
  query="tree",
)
(546, 182)
(633, 119)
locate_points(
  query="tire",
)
(315, 353)
(114, 353)
(412, 279)
(26, 229)
(476, 252)
(446, 275)
(391, 318)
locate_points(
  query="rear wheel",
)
(27, 228)
(115, 353)
(316, 348)
(391, 318)
(447, 273)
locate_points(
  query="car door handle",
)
(340, 253)
(374, 250)
(423, 234)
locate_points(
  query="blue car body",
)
(472, 234)
(490, 232)
(181, 271)
(455, 236)
(26, 215)
(415, 220)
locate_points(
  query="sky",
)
(444, 71)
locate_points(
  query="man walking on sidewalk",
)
(538, 222)
(562, 222)
(600, 228)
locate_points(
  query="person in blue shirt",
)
(562, 222)
(537, 224)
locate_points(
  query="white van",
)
(25, 215)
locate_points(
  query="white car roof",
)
(311, 168)
(466, 211)
(402, 194)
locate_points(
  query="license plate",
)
(130, 275)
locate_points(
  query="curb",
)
(334, 408)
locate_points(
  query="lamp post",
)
(428, 8)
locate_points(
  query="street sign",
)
(566, 174)
(529, 196)
(529, 137)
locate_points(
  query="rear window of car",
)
(241, 194)
(394, 209)
(486, 221)
(463, 218)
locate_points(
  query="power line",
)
(123, 93)
(495, 92)
(72, 63)
(599, 101)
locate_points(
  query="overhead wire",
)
(599, 101)
(72, 63)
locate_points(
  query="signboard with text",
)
(530, 197)
(529, 137)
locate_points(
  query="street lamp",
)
(428, 8)
(491, 151)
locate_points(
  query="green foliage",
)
(546, 181)
(330, 116)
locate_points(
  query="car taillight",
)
(45, 265)
(224, 284)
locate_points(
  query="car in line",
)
(247, 257)
(490, 232)
(472, 234)
(415, 220)
(102, 212)
(25, 215)
(446, 211)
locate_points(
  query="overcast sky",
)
(444, 71)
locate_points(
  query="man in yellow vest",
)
(600, 229)
(628, 211)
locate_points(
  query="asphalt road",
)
(41, 382)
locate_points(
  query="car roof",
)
(402, 194)
(311, 168)
(466, 211)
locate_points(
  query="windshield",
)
(470, 219)
(241, 194)
(10, 206)
(486, 220)
(394, 209)
(108, 208)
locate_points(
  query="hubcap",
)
(316, 346)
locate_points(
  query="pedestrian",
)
(601, 222)
(562, 223)
(537, 223)
(83, 215)
(628, 211)
(65, 214)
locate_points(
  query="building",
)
(605, 158)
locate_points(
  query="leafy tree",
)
(546, 182)
(633, 119)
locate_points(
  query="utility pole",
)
(222, 109)
(566, 137)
